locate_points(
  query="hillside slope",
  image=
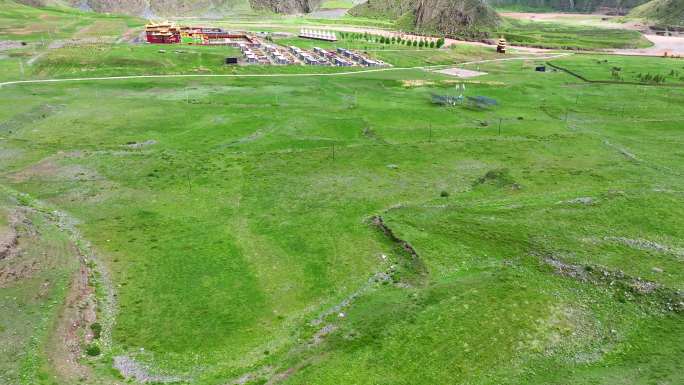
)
(449, 17)
(662, 12)
(159, 8)
(613, 6)
(285, 6)
(391, 9)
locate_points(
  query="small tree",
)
(440, 42)
(93, 350)
(421, 44)
(415, 43)
(432, 44)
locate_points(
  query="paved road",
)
(111, 78)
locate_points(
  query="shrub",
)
(444, 194)
(440, 42)
(93, 350)
(432, 44)
(97, 330)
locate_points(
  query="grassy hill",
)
(662, 12)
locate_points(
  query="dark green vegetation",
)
(342, 229)
(663, 13)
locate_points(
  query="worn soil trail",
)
(89, 298)
(331, 74)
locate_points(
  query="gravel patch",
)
(10, 44)
(131, 369)
(623, 151)
(644, 244)
(462, 73)
(146, 143)
(587, 201)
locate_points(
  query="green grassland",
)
(234, 226)
(624, 68)
(566, 36)
(233, 215)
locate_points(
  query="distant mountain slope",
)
(662, 12)
(390, 9)
(450, 17)
(453, 17)
(286, 6)
(618, 6)
(152, 8)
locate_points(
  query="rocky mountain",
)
(448, 17)
(610, 6)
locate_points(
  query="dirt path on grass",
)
(331, 74)
(83, 304)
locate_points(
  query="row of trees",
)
(422, 42)
(648, 78)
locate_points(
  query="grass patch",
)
(232, 212)
(556, 35)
